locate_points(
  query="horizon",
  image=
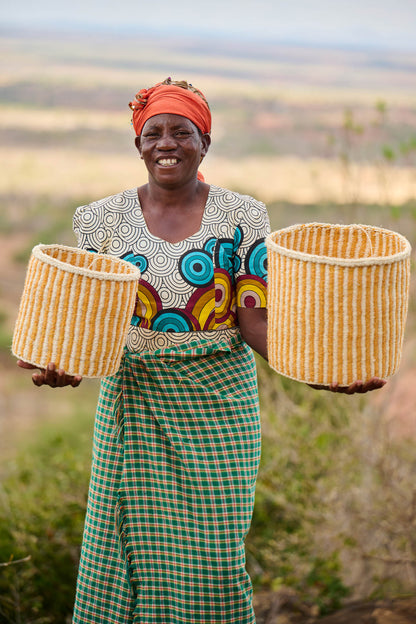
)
(234, 41)
(388, 25)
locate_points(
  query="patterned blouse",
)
(192, 285)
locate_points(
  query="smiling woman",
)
(177, 438)
(172, 147)
(177, 429)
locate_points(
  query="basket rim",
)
(69, 371)
(39, 253)
(347, 262)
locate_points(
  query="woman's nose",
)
(166, 141)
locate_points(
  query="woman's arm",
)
(253, 327)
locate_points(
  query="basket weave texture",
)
(75, 310)
(337, 302)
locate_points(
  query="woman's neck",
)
(173, 215)
(184, 197)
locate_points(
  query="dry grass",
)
(66, 93)
(67, 172)
(311, 180)
(62, 119)
(76, 173)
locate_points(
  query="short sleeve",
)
(250, 254)
(89, 228)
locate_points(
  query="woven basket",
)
(337, 302)
(75, 310)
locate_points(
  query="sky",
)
(386, 24)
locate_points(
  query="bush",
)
(302, 431)
(43, 501)
(333, 517)
(334, 512)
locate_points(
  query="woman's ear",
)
(206, 142)
(138, 145)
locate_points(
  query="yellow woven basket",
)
(75, 310)
(337, 302)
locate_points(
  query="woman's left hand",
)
(51, 376)
(357, 387)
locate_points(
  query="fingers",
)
(375, 383)
(38, 379)
(359, 387)
(53, 377)
(319, 387)
(356, 387)
(25, 364)
(57, 378)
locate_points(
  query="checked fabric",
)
(175, 457)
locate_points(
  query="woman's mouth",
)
(167, 162)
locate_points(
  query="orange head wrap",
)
(169, 98)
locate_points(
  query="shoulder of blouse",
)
(111, 202)
(91, 222)
(239, 198)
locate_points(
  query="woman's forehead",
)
(168, 119)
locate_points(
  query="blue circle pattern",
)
(236, 263)
(210, 245)
(224, 254)
(196, 268)
(256, 260)
(238, 237)
(136, 259)
(171, 321)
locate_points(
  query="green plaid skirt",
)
(175, 458)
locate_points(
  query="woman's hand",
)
(50, 376)
(357, 387)
(253, 327)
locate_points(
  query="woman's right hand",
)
(51, 376)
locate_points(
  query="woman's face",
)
(172, 149)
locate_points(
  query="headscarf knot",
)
(141, 99)
(173, 99)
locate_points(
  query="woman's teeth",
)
(167, 162)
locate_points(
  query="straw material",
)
(337, 302)
(75, 310)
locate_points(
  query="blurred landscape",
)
(319, 134)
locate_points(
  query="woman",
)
(177, 432)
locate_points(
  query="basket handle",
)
(105, 246)
(370, 255)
